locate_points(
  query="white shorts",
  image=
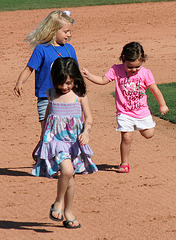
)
(129, 124)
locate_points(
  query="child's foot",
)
(71, 224)
(55, 213)
(123, 168)
(71, 221)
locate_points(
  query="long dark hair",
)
(64, 67)
(133, 51)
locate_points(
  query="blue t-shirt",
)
(41, 59)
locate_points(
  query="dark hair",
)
(64, 67)
(133, 51)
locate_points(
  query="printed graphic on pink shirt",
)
(132, 92)
(130, 97)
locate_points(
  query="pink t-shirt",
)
(130, 94)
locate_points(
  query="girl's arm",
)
(159, 97)
(24, 75)
(84, 136)
(101, 80)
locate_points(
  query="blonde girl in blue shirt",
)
(49, 41)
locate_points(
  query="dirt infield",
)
(135, 206)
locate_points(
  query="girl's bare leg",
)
(69, 195)
(66, 169)
(147, 133)
(125, 147)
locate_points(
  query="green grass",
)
(169, 93)
(11, 5)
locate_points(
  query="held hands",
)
(83, 138)
(164, 109)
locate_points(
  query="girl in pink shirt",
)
(131, 81)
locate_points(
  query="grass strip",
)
(169, 93)
(11, 5)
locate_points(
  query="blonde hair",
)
(46, 32)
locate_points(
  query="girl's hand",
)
(24, 75)
(164, 109)
(85, 73)
(18, 90)
(159, 97)
(100, 80)
(83, 138)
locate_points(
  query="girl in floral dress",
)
(64, 147)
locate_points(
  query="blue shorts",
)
(42, 104)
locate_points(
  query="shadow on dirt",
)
(106, 167)
(14, 172)
(34, 226)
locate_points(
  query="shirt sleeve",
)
(36, 59)
(110, 75)
(149, 79)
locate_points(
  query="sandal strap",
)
(54, 210)
(72, 221)
(124, 166)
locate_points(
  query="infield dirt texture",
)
(140, 205)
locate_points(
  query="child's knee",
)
(68, 173)
(127, 138)
(148, 133)
(149, 136)
(67, 168)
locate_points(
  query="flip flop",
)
(67, 225)
(124, 168)
(58, 212)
